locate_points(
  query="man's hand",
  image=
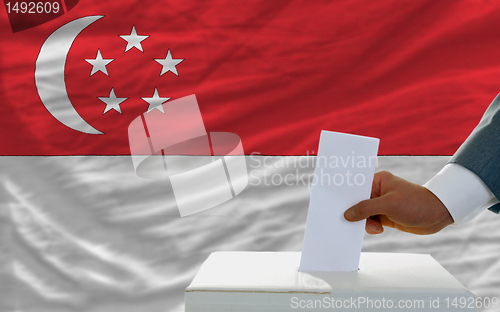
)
(402, 205)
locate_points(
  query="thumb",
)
(366, 209)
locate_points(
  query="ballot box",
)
(270, 281)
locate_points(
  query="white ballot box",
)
(270, 281)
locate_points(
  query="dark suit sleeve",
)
(480, 153)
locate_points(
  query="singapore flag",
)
(123, 125)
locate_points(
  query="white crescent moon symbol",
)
(49, 74)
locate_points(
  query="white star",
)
(133, 40)
(156, 102)
(112, 102)
(169, 64)
(99, 64)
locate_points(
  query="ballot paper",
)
(343, 176)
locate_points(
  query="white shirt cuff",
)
(462, 192)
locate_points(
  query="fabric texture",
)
(418, 76)
(480, 153)
(84, 233)
(80, 231)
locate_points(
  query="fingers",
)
(386, 221)
(380, 179)
(373, 226)
(376, 189)
(367, 208)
